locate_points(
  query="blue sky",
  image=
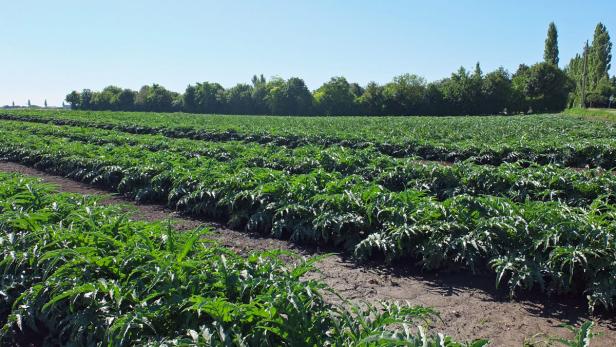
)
(50, 48)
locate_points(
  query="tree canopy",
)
(550, 54)
(588, 72)
(541, 87)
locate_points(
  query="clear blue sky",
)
(52, 47)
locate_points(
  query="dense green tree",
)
(106, 99)
(189, 99)
(588, 72)
(544, 86)
(259, 95)
(435, 104)
(177, 102)
(600, 56)
(575, 72)
(550, 53)
(461, 92)
(519, 81)
(99, 102)
(600, 94)
(290, 97)
(276, 97)
(476, 91)
(110, 98)
(598, 87)
(335, 98)
(302, 101)
(356, 90)
(405, 95)
(209, 97)
(85, 99)
(154, 98)
(372, 100)
(125, 100)
(74, 98)
(239, 100)
(497, 92)
(256, 80)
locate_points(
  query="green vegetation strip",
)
(487, 140)
(592, 113)
(557, 247)
(77, 273)
(514, 181)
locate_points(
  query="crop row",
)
(551, 129)
(550, 244)
(77, 273)
(492, 140)
(544, 183)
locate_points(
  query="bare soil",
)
(470, 306)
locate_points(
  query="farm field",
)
(592, 113)
(81, 273)
(308, 173)
(527, 199)
(539, 138)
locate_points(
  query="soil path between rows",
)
(470, 306)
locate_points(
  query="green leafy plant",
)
(78, 273)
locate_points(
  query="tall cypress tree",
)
(600, 55)
(477, 73)
(550, 53)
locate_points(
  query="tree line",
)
(541, 87)
(589, 72)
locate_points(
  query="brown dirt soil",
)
(470, 306)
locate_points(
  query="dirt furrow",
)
(470, 306)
